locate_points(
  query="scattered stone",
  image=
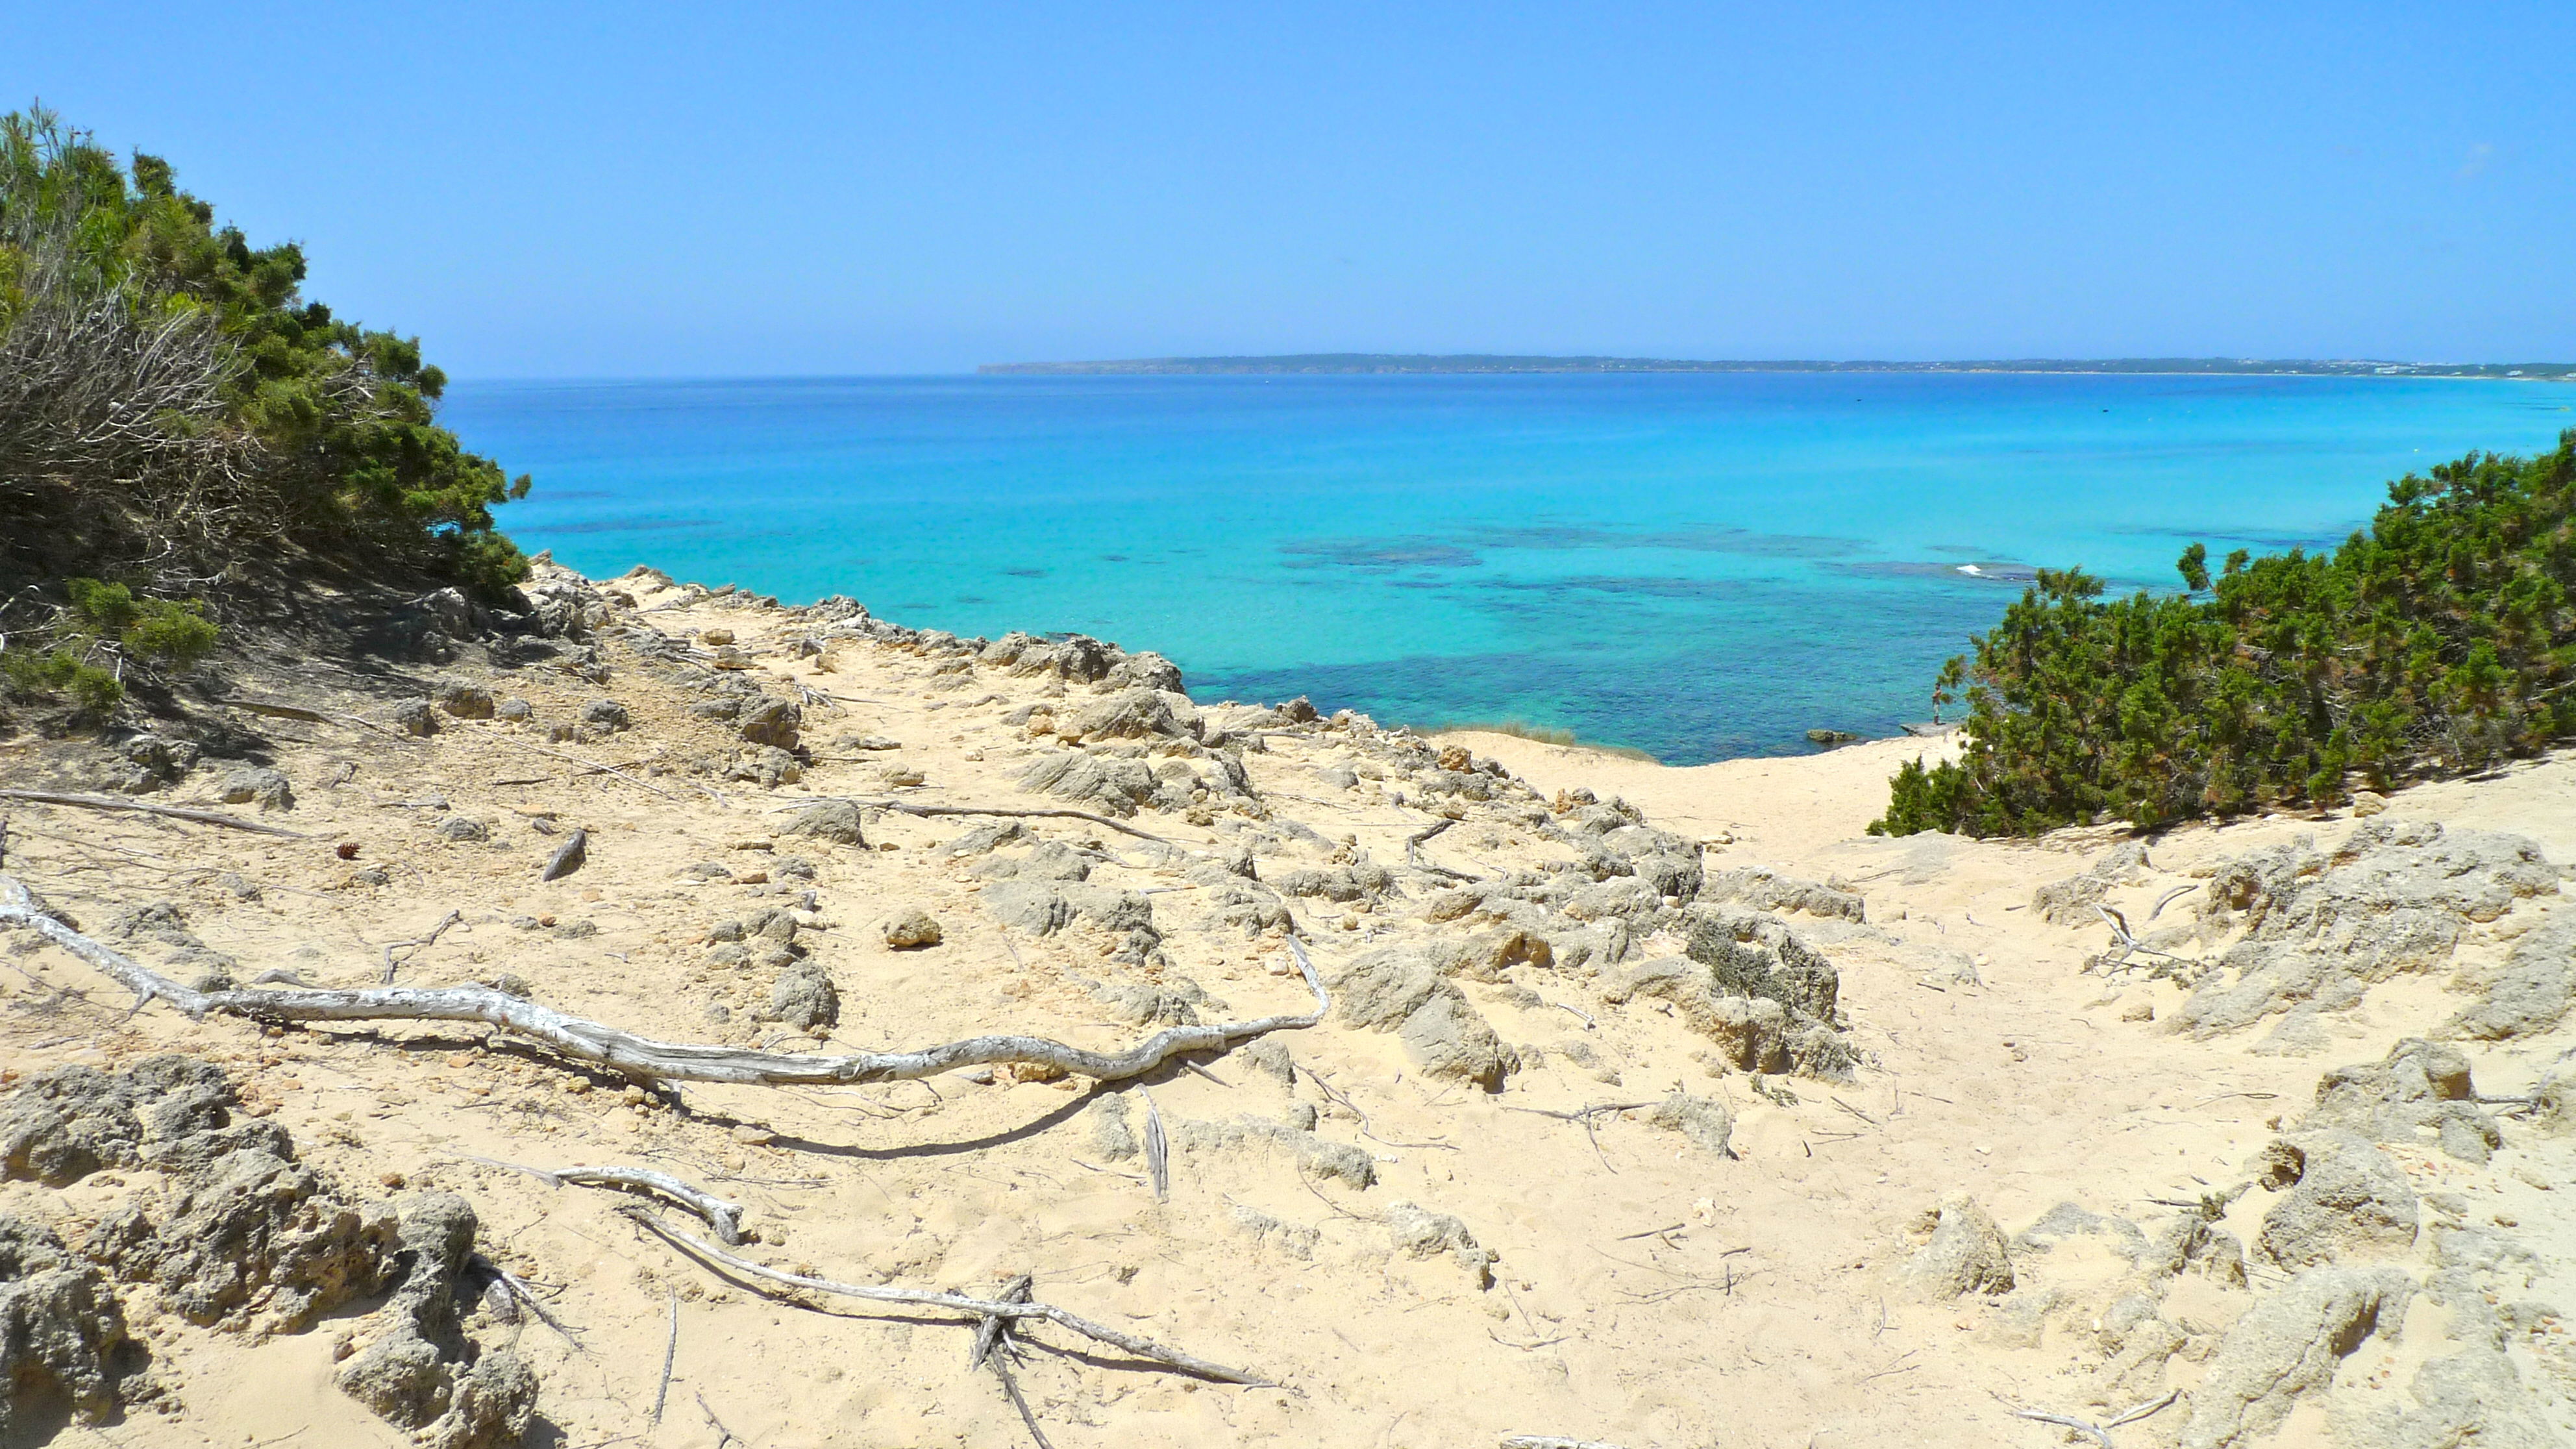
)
(1830, 738)
(912, 930)
(836, 821)
(1420, 1234)
(464, 828)
(1966, 1253)
(465, 701)
(1704, 1121)
(607, 714)
(517, 711)
(415, 717)
(770, 721)
(804, 997)
(715, 635)
(252, 785)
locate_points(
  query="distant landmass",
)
(1363, 362)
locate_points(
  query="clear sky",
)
(556, 190)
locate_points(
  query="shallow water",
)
(1698, 565)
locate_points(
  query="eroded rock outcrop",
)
(2321, 929)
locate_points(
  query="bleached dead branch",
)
(643, 1058)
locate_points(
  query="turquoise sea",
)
(1697, 565)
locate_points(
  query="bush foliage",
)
(170, 403)
(2438, 641)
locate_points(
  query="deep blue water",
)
(1701, 566)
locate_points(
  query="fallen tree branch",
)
(640, 1057)
(723, 1216)
(173, 812)
(980, 1308)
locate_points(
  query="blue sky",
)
(549, 190)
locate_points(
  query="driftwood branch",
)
(137, 807)
(980, 1308)
(723, 1216)
(641, 1057)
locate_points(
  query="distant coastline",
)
(1395, 362)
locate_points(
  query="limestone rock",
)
(2322, 929)
(2422, 1086)
(1417, 1233)
(1966, 1254)
(911, 930)
(835, 820)
(2286, 1347)
(1705, 1121)
(2344, 1197)
(252, 785)
(1763, 889)
(465, 701)
(2531, 992)
(803, 996)
(62, 1335)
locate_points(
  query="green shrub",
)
(169, 399)
(2440, 640)
(177, 634)
(62, 671)
(171, 632)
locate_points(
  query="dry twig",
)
(423, 942)
(979, 1308)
